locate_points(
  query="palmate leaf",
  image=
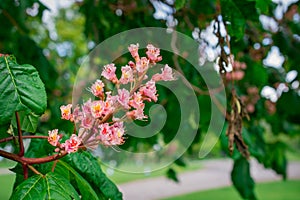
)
(86, 190)
(88, 167)
(21, 89)
(50, 186)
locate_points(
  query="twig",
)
(34, 170)
(21, 145)
(12, 21)
(29, 161)
(24, 137)
(25, 171)
(54, 165)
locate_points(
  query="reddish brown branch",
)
(11, 156)
(24, 137)
(30, 161)
(21, 145)
(25, 171)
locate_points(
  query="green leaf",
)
(179, 4)
(86, 191)
(233, 15)
(242, 179)
(263, 5)
(50, 186)
(256, 75)
(276, 158)
(171, 174)
(89, 168)
(237, 12)
(180, 162)
(288, 106)
(21, 86)
(39, 148)
(28, 121)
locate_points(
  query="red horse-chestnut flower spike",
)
(95, 118)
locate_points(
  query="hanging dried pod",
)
(234, 131)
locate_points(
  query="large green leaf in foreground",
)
(50, 186)
(21, 89)
(88, 167)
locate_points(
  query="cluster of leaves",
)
(250, 43)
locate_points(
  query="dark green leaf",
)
(233, 15)
(242, 179)
(288, 105)
(263, 5)
(171, 174)
(276, 158)
(89, 168)
(257, 75)
(179, 4)
(86, 191)
(21, 86)
(180, 162)
(50, 186)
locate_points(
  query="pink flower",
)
(71, 145)
(149, 90)
(97, 88)
(137, 114)
(127, 75)
(104, 134)
(111, 98)
(133, 49)
(97, 109)
(137, 100)
(111, 135)
(142, 65)
(153, 53)
(123, 98)
(86, 107)
(66, 112)
(77, 114)
(166, 74)
(117, 133)
(109, 72)
(131, 64)
(53, 137)
(108, 107)
(87, 122)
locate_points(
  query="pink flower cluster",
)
(96, 120)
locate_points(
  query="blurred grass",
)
(6, 182)
(5, 163)
(282, 190)
(124, 177)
